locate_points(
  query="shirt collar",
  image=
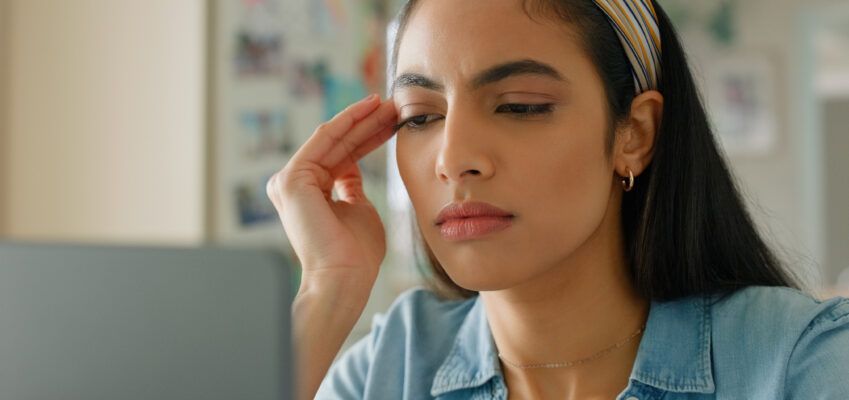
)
(472, 360)
(674, 353)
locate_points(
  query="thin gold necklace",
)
(576, 362)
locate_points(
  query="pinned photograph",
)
(259, 39)
(252, 203)
(266, 133)
(741, 93)
(328, 17)
(339, 92)
(308, 78)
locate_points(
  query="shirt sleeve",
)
(346, 378)
(819, 365)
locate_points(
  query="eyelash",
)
(533, 109)
(529, 110)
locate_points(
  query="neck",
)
(579, 307)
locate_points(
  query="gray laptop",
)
(92, 322)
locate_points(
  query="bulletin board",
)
(278, 68)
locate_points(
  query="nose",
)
(465, 151)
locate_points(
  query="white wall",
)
(836, 140)
(105, 121)
(4, 91)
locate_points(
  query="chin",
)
(484, 287)
(486, 265)
(484, 277)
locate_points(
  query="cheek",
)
(566, 185)
(413, 167)
(404, 159)
(576, 197)
(577, 194)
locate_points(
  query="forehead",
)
(459, 38)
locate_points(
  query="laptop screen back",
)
(89, 322)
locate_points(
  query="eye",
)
(525, 110)
(418, 121)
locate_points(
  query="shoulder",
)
(401, 354)
(420, 305)
(785, 336)
(417, 318)
(771, 307)
(419, 323)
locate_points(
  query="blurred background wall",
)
(4, 94)
(836, 144)
(103, 120)
(787, 187)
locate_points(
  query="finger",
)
(327, 135)
(271, 188)
(349, 186)
(384, 116)
(364, 149)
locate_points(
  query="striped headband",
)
(635, 22)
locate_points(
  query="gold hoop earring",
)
(628, 184)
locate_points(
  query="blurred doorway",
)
(836, 186)
(831, 76)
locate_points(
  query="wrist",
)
(334, 286)
(341, 296)
(324, 312)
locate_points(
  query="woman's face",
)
(508, 111)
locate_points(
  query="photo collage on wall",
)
(283, 67)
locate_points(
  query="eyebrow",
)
(487, 77)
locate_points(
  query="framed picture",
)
(740, 94)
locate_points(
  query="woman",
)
(572, 198)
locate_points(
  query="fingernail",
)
(369, 98)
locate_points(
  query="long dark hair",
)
(685, 225)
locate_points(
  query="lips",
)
(470, 209)
(462, 229)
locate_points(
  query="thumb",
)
(349, 186)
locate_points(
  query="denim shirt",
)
(757, 343)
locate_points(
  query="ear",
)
(634, 143)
